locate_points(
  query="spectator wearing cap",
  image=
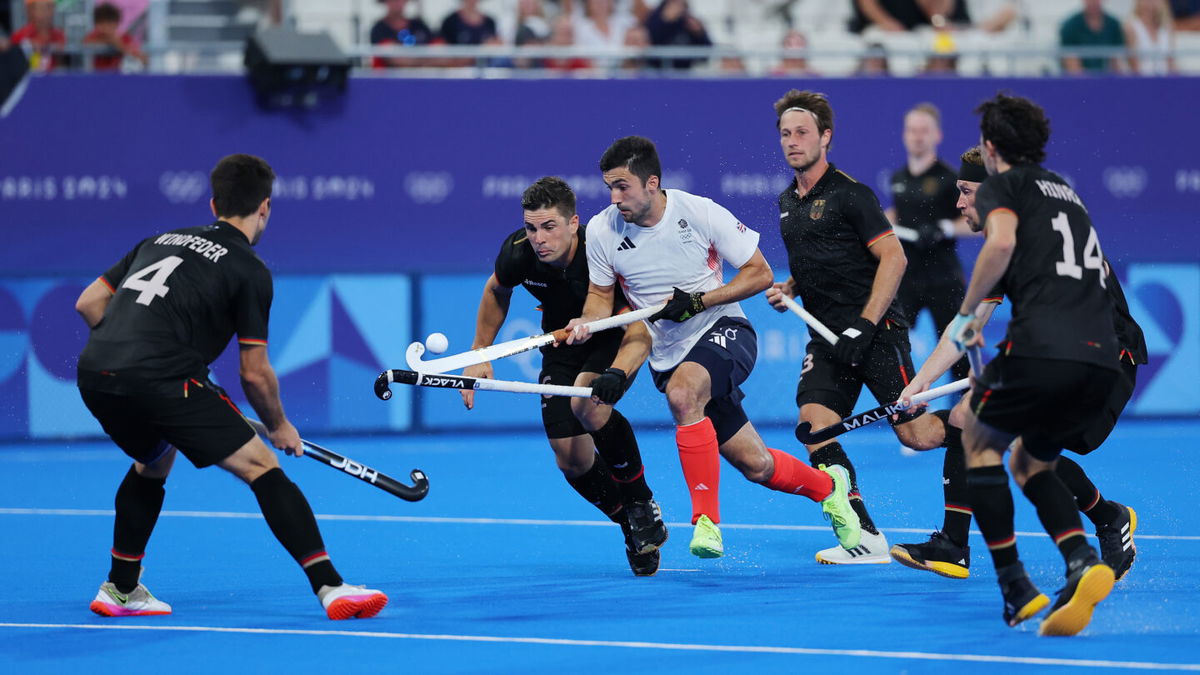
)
(1091, 27)
(106, 22)
(396, 28)
(40, 36)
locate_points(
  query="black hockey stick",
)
(411, 493)
(442, 381)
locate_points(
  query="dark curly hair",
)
(547, 192)
(1017, 127)
(635, 153)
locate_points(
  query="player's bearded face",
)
(550, 234)
(632, 197)
(966, 203)
(803, 146)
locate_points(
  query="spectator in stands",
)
(672, 24)
(793, 65)
(903, 15)
(40, 35)
(562, 34)
(1150, 37)
(1092, 27)
(637, 39)
(874, 62)
(468, 26)
(396, 28)
(599, 27)
(106, 22)
(1186, 14)
(531, 26)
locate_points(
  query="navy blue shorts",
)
(728, 352)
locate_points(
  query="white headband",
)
(797, 108)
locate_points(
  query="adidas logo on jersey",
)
(626, 245)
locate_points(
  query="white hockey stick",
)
(513, 347)
(812, 321)
(386, 378)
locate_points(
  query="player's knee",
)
(685, 402)
(251, 461)
(590, 415)
(922, 433)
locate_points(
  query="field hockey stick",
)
(386, 378)
(807, 436)
(812, 321)
(513, 347)
(411, 493)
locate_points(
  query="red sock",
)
(701, 462)
(797, 478)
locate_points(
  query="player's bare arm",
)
(598, 305)
(634, 349)
(753, 277)
(892, 263)
(1001, 228)
(92, 302)
(262, 391)
(493, 310)
(944, 355)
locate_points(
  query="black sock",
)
(138, 503)
(597, 486)
(291, 519)
(992, 503)
(834, 454)
(618, 446)
(1087, 496)
(956, 521)
(1056, 509)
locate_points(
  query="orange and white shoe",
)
(348, 602)
(138, 602)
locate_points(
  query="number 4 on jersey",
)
(1092, 258)
(155, 286)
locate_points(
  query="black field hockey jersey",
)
(561, 292)
(1061, 307)
(828, 233)
(921, 202)
(178, 299)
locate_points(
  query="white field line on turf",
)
(673, 646)
(505, 521)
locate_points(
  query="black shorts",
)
(728, 352)
(205, 425)
(1047, 402)
(1103, 422)
(561, 365)
(942, 296)
(886, 371)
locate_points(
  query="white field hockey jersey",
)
(685, 249)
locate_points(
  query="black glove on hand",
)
(681, 307)
(852, 344)
(610, 386)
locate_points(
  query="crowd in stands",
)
(1145, 37)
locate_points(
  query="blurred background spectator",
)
(793, 65)
(903, 15)
(600, 26)
(44, 40)
(1091, 27)
(468, 26)
(1186, 14)
(562, 34)
(1150, 38)
(637, 38)
(398, 28)
(106, 32)
(874, 62)
(672, 24)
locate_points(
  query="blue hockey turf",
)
(503, 568)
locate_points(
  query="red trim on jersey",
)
(714, 259)
(880, 236)
(995, 299)
(107, 285)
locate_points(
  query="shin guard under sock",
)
(618, 446)
(1056, 509)
(291, 520)
(1087, 496)
(596, 485)
(834, 454)
(795, 477)
(138, 503)
(956, 521)
(992, 503)
(701, 461)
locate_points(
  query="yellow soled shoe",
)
(939, 555)
(1088, 582)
